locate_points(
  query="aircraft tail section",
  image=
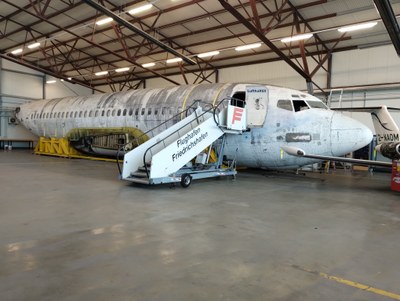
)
(385, 127)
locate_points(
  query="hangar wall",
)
(18, 85)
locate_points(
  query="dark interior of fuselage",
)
(239, 99)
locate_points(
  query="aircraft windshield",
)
(317, 104)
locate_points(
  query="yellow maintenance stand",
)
(60, 147)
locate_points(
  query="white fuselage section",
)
(282, 117)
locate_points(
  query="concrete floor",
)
(70, 230)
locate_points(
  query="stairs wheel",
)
(186, 180)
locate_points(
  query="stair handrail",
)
(212, 108)
(137, 139)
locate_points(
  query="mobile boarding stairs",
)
(168, 156)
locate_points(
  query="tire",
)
(186, 180)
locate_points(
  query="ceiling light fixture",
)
(52, 81)
(297, 38)
(147, 65)
(34, 45)
(122, 69)
(174, 60)
(104, 21)
(357, 27)
(207, 54)
(16, 51)
(140, 9)
(100, 73)
(246, 47)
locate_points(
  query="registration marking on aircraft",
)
(360, 286)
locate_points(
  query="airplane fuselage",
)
(276, 117)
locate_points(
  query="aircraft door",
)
(256, 105)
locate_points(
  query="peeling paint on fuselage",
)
(144, 109)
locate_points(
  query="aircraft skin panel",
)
(310, 129)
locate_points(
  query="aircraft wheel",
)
(186, 180)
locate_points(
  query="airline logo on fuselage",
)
(237, 114)
(258, 90)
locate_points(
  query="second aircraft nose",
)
(348, 134)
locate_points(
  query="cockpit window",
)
(285, 104)
(317, 104)
(299, 105)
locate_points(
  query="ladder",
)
(168, 156)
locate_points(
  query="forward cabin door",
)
(256, 105)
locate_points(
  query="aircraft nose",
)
(348, 135)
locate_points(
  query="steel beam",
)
(138, 31)
(389, 19)
(262, 38)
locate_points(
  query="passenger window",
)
(108, 113)
(85, 114)
(142, 112)
(62, 115)
(149, 111)
(66, 115)
(137, 111)
(285, 104)
(113, 113)
(80, 114)
(102, 113)
(163, 110)
(130, 112)
(124, 112)
(119, 112)
(96, 113)
(300, 105)
(155, 111)
(76, 114)
(90, 113)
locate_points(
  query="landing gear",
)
(186, 180)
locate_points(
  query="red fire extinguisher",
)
(396, 175)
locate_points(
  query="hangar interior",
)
(74, 232)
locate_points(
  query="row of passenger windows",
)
(107, 113)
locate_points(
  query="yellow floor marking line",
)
(360, 286)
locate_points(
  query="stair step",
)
(142, 168)
(139, 174)
(234, 132)
(138, 180)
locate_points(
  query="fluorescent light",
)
(147, 65)
(297, 38)
(357, 26)
(101, 73)
(69, 78)
(104, 21)
(52, 81)
(34, 45)
(246, 47)
(174, 60)
(207, 54)
(16, 51)
(122, 69)
(140, 9)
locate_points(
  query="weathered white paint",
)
(329, 133)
